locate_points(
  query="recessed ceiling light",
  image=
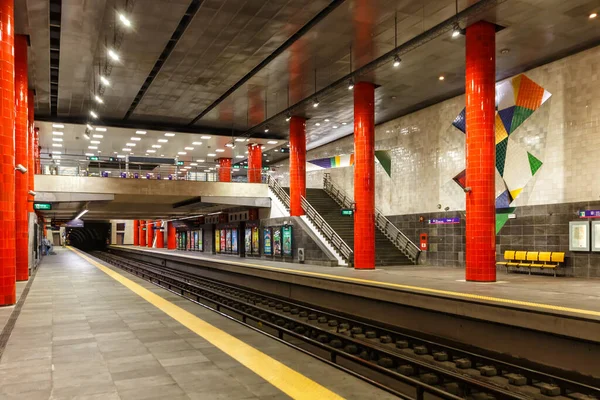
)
(135, 139)
(56, 152)
(89, 154)
(197, 143)
(272, 142)
(318, 124)
(104, 80)
(188, 148)
(182, 153)
(124, 20)
(56, 145)
(156, 146)
(194, 164)
(240, 140)
(57, 133)
(335, 127)
(57, 139)
(205, 137)
(240, 156)
(199, 160)
(264, 154)
(397, 61)
(98, 136)
(219, 150)
(59, 126)
(246, 152)
(163, 140)
(120, 156)
(326, 120)
(316, 103)
(140, 132)
(130, 144)
(101, 129)
(344, 123)
(151, 151)
(95, 142)
(162, 155)
(112, 54)
(211, 154)
(441, 78)
(169, 134)
(98, 99)
(126, 149)
(230, 145)
(93, 114)
(593, 15)
(93, 147)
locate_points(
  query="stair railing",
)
(330, 235)
(279, 191)
(399, 239)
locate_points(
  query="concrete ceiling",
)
(230, 65)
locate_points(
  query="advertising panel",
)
(579, 236)
(286, 233)
(228, 240)
(255, 241)
(189, 241)
(267, 243)
(248, 241)
(234, 241)
(277, 241)
(223, 239)
(201, 240)
(217, 240)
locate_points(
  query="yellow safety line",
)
(400, 286)
(279, 375)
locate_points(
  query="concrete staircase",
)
(386, 253)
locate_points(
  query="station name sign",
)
(42, 206)
(589, 214)
(444, 221)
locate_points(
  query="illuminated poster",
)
(223, 239)
(196, 241)
(267, 243)
(277, 241)
(217, 241)
(228, 240)
(579, 236)
(189, 240)
(255, 241)
(201, 240)
(248, 241)
(286, 233)
(234, 241)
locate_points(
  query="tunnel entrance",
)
(93, 236)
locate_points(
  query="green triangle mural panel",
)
(385, 159)
(520, 115)
(534, 163)
(501, 155)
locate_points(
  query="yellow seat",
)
(519, 257)
(531, 256)
(549, 260)
(509, 255)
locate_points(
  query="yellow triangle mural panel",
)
(516, 83)
(515, 193)
(501, 133)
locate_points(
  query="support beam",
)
(171, 236)
(254, 163)
(297, 165)
(21, 158)
(136, 232)
(224, 169)
(160, 235)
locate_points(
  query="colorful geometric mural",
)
(516, 100)
(346, 160)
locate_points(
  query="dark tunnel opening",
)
(93, 236)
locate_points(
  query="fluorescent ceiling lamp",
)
(93, 147)
(112, 54)
(200, 160)
(120, 156)
(56, 133)
(220, 150)
(182, 153)
(89, 154)
(101, 129)
(98, 99)
(95, 142)
(98, 136)
(188, 148)
(124, 20)
(156, 146)
(57, 139)
(140, 132)
(56, 157)
(60, 126)
(205, 137)
(130, 144)
(91, 128)
(197, 143)
(163, 140)
(56, 152)
(151, 151)
(169, 134)
(239, 156)
(135, 139)
(104, 80)
(126, 149)
(240, 140)
(56, 145)
(272, 142)
(194, 164)
(93, 114)
(230, 145)
(81, 214)
(211, 154)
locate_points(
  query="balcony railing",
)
(399, 239)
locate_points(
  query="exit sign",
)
(347, 212)
(180, 163)
(42, 206)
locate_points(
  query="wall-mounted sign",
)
(42, 206)
(589, 214)
(595, 235)
(579, 236)
(347, 212)
(444, 221)
(180, 163)
(286, 233)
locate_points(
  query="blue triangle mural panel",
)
(506, 116)
(460, 121)
(503, 201)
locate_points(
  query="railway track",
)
(405, 365)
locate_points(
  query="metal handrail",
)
(332, 237)
(399, 239)
(279, 192)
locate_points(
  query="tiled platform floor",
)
(576, 293)
(82, 335)
(5, 312)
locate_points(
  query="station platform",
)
(504, 317)
(87, 331)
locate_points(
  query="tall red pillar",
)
(254, 163)
(224, 169)
(7, 155)
(30, 149)
(480, 152)
(143, 233)
(160, 235)
(364, 175)
(136, 232)
(171, 236)
(297, 165)
(150, 232)
(22, 158)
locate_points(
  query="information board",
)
(286, 233)
(267, 242)
(595, 235)
(277, 241)
(579, 236)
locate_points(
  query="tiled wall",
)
(427, 151)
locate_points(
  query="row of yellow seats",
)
(532, 259)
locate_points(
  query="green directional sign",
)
(347, 212)
(93, 158)
(42, 206)
(180, 163)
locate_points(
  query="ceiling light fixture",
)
(266, 129)
(91, 128)
(182, 153)
(211, 154)
(318, 124)
(441, 78)
(124, 20)
(220, 150)
(169, 134)
(140, 132)
(397, 61)
(93, 147)
(156, 146)
(136, 139)
(288, 118)
(95, 142)
(240, 140)
(112, 54)
(316, 103)
(120, 156)
(57, 139)
(163, 140)
(93, 114)
(130, 144)
(593, 15)
(188, 148)
(239, 156)
(59, 126)
(200, 161)
(197, 143)
(126, 149)
(98, 99)
(194, 164)
(205, 137)
(100, 129)
(104, 80)
(98, 136)
(56, 145)
(57, 133)
(89, 154)
(344, 123)
(56, 152)
(150, 151)
(335, 127)
(456, 31)
(272, 142)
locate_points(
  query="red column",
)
(160, 236)
(143, 233)
(30, 149)
(480, 152)
(364, 175)
(21, 157)
(224, 169)
(150, 232)
(254, 163)
(136, 232)
(7, 155)
(297, 165)
(171, 236)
